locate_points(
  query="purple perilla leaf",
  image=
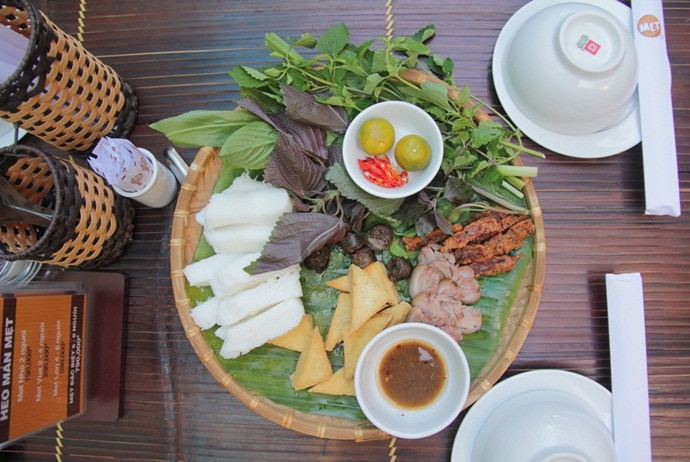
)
(290, 168)
(295, 236)
(304, 107)
(312, 139)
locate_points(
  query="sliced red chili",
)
(380, 171)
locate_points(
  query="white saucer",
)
(608, 142)
(7, 133)
(579, 386)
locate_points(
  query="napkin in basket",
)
(121, 164)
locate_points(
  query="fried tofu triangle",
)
(340, 321)
(342, 283)
(369, 296)
(377, 270)
(398, 312)
(368, 302)
(297, 338)
(338, 384)
(313, 365)
(355, 341)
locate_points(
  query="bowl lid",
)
(591, 42)
(613, 140)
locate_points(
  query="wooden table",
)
(177, 56)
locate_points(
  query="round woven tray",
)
(186, 232)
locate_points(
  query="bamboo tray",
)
(186, 232)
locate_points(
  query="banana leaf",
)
(267, 369)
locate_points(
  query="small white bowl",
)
(572, 69)
(407, 119)
(420, 422)
(544, 426)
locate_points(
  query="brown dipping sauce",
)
(412, 374)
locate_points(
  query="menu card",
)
(42, 361)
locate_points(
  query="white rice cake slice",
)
(222, 332)
(200, 273)
(246, 303)
(244, 184)
(238, 239)
(253, 332)
(205, 314)
(233, 278)
(254, 207)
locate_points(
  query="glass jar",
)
(18, 273)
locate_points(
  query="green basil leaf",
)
(486, 132)
(410, 46)
(247, 77)
(333, 40)
(448, 66)
(250, 146)
(372, 82)
(425, 33)
(202, 127)
(335, 101)
(281, 49)
(307, 40)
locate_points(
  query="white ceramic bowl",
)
(420, 422)
(572, 69)
(544, 426)
(407, 119)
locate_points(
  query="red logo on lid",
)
(592, 47)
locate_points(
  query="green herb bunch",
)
(297, 109)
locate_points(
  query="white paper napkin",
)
(630, 390)
(656, 109)
(122, 164)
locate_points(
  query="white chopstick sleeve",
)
(628, 345)
(660, 164)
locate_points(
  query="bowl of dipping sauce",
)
(412, 380)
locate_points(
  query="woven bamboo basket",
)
(186, 233)
(90, 226)
(61, 93)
